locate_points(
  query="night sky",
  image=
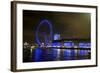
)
(68, 25)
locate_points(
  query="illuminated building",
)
(57, 36)
(68, 44)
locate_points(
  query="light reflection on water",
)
(43, 54)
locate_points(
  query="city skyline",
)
(56, 36)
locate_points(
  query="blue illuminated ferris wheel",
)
(44, 32)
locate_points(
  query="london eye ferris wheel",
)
(44, 32)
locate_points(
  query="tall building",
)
(57, 36)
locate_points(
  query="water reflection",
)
(55, 54)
